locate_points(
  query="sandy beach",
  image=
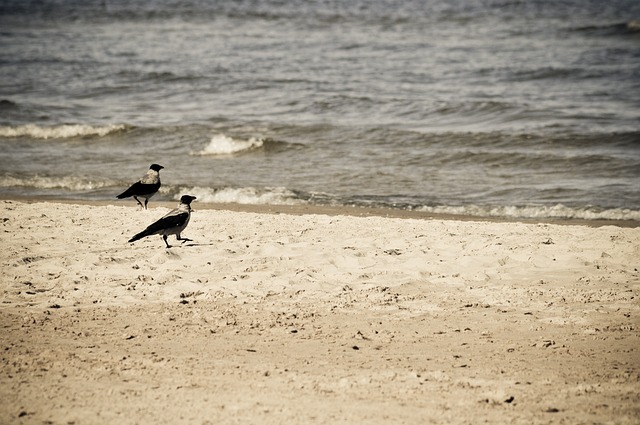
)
(314, 318)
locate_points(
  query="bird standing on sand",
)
(171, 224)
(146, 187)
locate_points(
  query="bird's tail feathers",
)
(140, 235)
(123, 195)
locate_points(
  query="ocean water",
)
(514, 108)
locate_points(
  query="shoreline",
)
(352, 211)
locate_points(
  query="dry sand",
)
(314, 319)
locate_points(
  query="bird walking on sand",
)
(146, 187)
(171, 224)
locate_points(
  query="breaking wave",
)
(224, 145)
(245, 195)
(284, 196)
(66, 185)
(558, 211)
(70, 183)
(63, 131)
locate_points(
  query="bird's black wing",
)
(169, 221)
(139, 189)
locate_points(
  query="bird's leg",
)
(183, 239)
(164, 237)
(138, 201)
(145, 202)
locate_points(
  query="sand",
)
(273, 318)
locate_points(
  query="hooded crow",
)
(146, 187)
(171, 224)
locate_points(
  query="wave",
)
(225, 145)
(63, 131)
(631, 27)
(472, 113)
(548, 72)
(481, 117)
(473, 108)
(557, 211)
(64, 185)
(7, 104)
(284, 196)
(69, 183)
(244, 195)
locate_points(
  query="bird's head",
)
(187, 199)
(156, 167)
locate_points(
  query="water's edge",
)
(351, 211)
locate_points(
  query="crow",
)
(146, 187)
(171, 224)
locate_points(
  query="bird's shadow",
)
(195, 244)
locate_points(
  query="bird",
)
(171, 224)
(146, 187)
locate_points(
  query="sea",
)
(488, 108)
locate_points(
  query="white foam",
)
(65, 182)
(539, 211)
(63, 131)
(245, 195)
(221, 144)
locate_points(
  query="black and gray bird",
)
(146, 187)
(171, 224)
